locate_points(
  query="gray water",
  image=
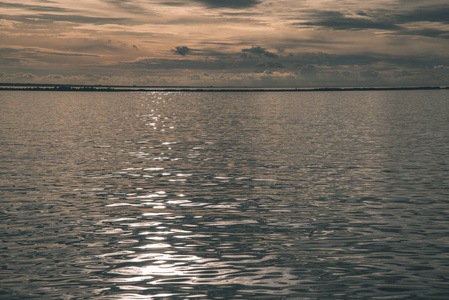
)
(184, 195)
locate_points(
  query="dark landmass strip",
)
(103, 88)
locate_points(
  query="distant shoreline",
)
(101, 88)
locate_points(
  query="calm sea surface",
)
(184, 195)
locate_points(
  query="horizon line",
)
(144, 88)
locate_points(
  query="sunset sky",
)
(299, 43)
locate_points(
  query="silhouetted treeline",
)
(101, 88)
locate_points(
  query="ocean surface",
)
(209, 195)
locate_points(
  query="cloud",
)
(403, 73)
(10, 62)
(172, 3)
(429, 13)
(238, 39)
(369, 74)
(20, 55)
(381, 19)
(268, 66)
(364, 59)
(308, 71)
(77, 19)
(270, 54)
(306, 64)
(195, 77)
(32, 7)
(338, 21)
(426, 32)
(229, 3)
(257, 50)
(21, 76)
(171, 64)
(181, 50)
(126, 5)
(95, 46)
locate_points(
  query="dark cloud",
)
(338, 21)
(4, 51)
(365, 59)
(23, 76)
(382, 19)
(403, 73)
(431, 13)
(242, 14)
(320, 58)
(369, 74)
(97, 46)
(262, 67)
(32, 53)
(270, 54)
(194, 77)
(172, 3)
(54, 76)
(427, 32)
(308, 71)
(181, 50)
(415, 61)
(306, 64)
(32, 7)
(257, 50)
(6, 61)
(170, 64)
(68, 54)
(271, 64)
(219, 62)
(126, 5)
(48, 18)
(229, 3)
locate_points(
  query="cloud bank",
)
(252, 42)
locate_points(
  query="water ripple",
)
(225, 195)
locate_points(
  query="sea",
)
(224, 195)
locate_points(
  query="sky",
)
(260, 43)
